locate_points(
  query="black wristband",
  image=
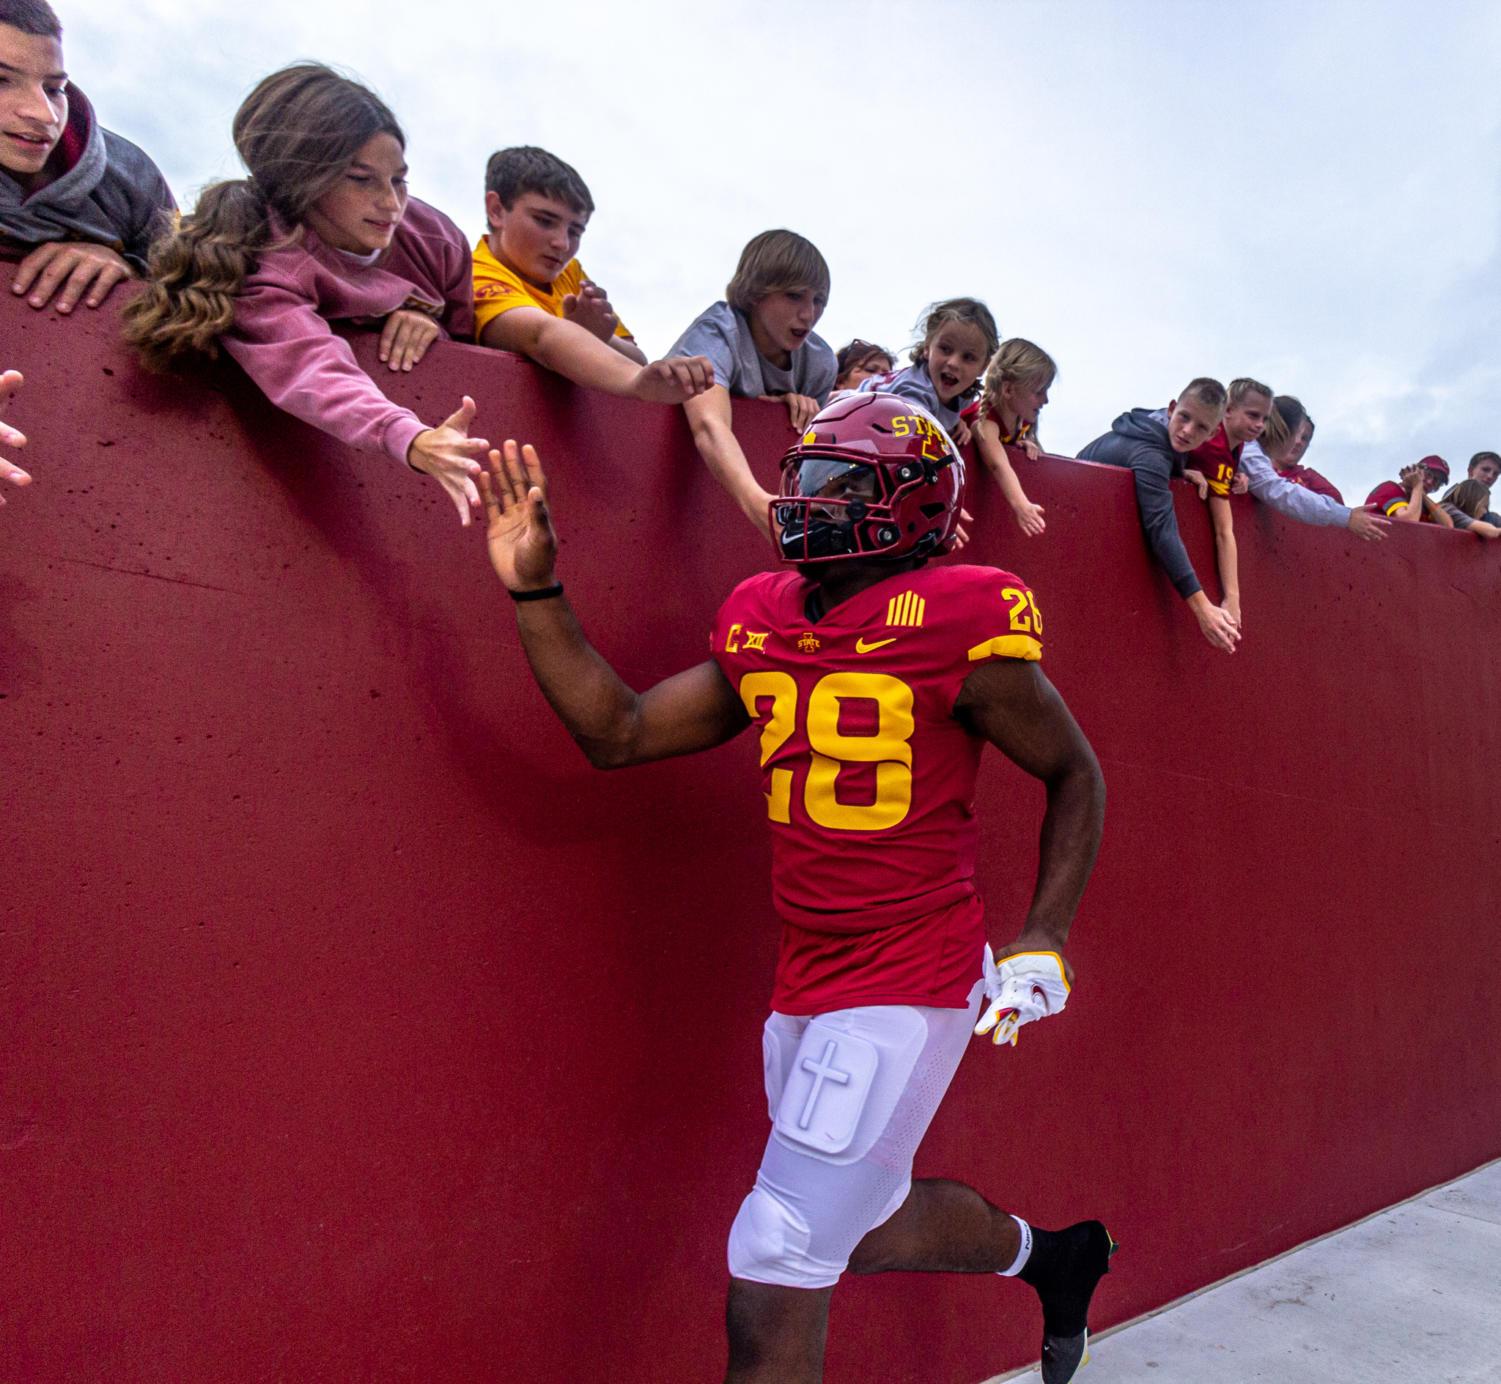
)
(543, 593)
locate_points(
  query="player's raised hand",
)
(10, 381)
(519, 532)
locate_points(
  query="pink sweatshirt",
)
(282, 339)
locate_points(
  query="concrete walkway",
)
(1411, 1295)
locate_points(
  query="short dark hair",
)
(1483, 456)
(511, 173)
(31, 17)
(1210, 393)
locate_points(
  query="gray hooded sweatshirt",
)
(108, 191)
(1138, 440)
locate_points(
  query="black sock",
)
(1064, 1267)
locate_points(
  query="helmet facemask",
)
(835, 505)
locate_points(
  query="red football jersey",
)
(869, 778)
(1218, 461)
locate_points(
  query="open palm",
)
(519, 530)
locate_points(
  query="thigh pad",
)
(846, 1078)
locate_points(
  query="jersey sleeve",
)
(1387, 496)
(970, 616)
(1002, 620)
(496, 291)
(741, 627)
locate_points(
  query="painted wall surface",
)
(353, 1028)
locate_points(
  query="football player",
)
(874, 679)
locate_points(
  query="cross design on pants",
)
(823, 1070)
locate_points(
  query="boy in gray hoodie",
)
(1154, 450)
(79, 205)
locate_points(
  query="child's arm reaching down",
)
(1029, 517)
(1225, 553)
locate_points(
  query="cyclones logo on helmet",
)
(874, 476)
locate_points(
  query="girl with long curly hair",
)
(322, 230)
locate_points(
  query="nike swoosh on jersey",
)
(861, 647)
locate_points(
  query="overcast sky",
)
(1303, 192)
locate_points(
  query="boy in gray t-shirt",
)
(762, 345)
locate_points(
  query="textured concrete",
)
(1408, 1296)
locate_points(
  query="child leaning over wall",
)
(1012, 394)
(761, 343)
(323, 230)
(531, 294)
(79, 205)
(1153, 445)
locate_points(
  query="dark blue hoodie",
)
(1138, 440)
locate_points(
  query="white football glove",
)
(1027, 986)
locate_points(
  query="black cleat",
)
(1072, 1264)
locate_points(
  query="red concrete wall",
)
(354, 1029)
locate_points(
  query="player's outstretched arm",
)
(613, 725)
(1012, 704)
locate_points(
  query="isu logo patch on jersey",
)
(810, 643)
(906, 609)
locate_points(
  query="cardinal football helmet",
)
(874, 476)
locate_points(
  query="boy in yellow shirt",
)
(531, 295)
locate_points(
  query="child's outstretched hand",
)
(590, 309)
(451, 457)
(672, 380)
(1240, 483)
(1029, 517)
(962, 433)
(1033, 451)
(1197, 479)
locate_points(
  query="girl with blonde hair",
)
(322, 230)
(1013, 393)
